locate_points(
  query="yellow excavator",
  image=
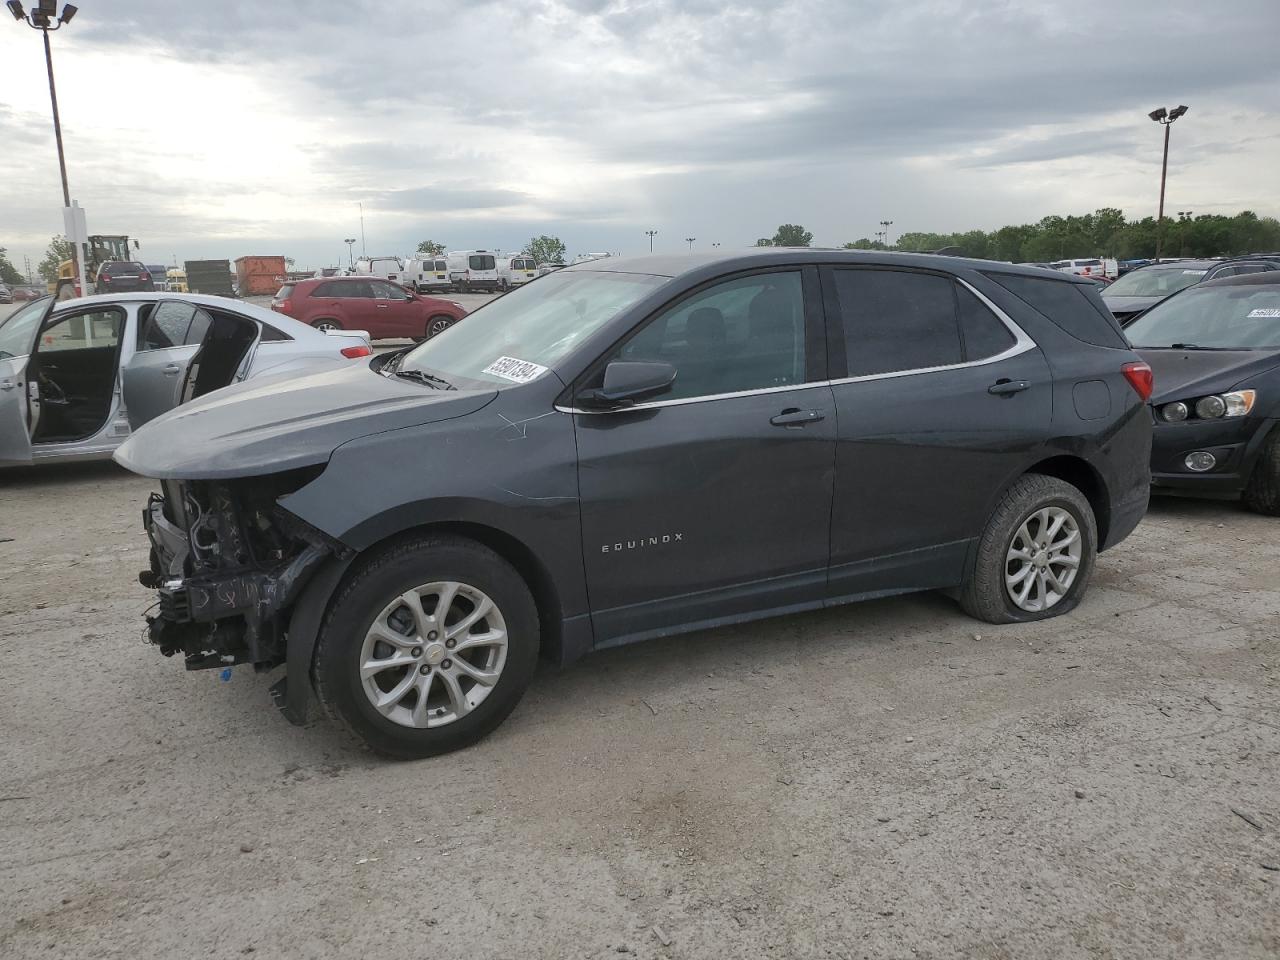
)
(100, 249)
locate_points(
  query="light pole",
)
(350, 242)
(1165, 118)
(651, 234)
(689, 241)
(715, 245)
(42, 18)
(886, 224)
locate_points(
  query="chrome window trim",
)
(1022, 343)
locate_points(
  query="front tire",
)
(1036, 555)
(1262, 494)
(428, 647)
(438, 324)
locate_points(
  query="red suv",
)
(385, 310)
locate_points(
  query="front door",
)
(397, 313)
(171, 333)
(939, 400)
(712, 503)
(17, 340)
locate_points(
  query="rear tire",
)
(328, 323)
(1262, 493)
(1028, 511)
(421, 564)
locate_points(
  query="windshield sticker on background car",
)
(1265, 312)
(1194, 273)
(515, 370)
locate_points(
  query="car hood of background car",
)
(1182, 374)
(273, 424)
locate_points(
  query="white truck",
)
(388, 268)
(473, 270)
(515, 269)
(1089, 267)
(428, 274)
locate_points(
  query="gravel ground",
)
(885, 780)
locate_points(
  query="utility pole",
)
(364, 252)
(651, 234)
(41, 18)
(1165, 118)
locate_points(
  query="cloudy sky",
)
(217, 129)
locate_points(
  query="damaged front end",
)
(229, 564)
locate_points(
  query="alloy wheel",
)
(433, 654)
(1043, 559)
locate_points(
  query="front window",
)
(1212, 318)
(19, 331)
(482, 262)
(1155, 283)
(516, 337)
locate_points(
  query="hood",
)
(1129, 304)
(1180, 374)
(273, 424)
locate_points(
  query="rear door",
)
(169, 337)
(939, 397)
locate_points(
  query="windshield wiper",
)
(438, 383)
(1185, 346)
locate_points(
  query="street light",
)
(651, 234)
(689, 241)
(886, 224)
(350, 242)
(42, 18)
(1165, 118)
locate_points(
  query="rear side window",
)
(270, 333)
(284, 292)
(894, 320)
(167, 325)
(983, 332)
(1074, 307)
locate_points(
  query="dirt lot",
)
(888, 780)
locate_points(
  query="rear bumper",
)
(1125, 517)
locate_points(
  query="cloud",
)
(609, 117)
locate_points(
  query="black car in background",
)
(123, 276)
(1215, 351)
(633, 448)
(1142, 289)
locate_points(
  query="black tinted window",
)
(482, 262)
(270, 333)
(744, 334)
(166, 326)
(199, 327)
(344, 289)
(1074, 307)
(983, 332)
(894, 320)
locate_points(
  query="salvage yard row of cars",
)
(632, 449)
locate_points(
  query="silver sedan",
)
(78, 376)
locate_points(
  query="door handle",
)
(793, 417)
(1006, 387)
(6, 384)
(171, 370)
(381, 306)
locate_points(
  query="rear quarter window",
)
(1076, 308)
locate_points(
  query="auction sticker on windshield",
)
(1265, 312)
(515, 370)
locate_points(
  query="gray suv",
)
(634, 448)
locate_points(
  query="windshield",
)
(1222, 318)
(18, 333)
(1155, 283)
(516, 337)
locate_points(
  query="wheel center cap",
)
(433, 653)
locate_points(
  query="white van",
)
(428, 274)
(588, 257)
(388, 268)
(473, 270)
(1091, 267)
(515, 269)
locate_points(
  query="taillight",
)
(355, 353)
(105, 278)
(144, 275)
(281, 306)
(1140, 378)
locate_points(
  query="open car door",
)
(185, 351)
(17, 342)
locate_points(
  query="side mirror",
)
(629, 381)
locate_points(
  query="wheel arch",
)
(1082, 475)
